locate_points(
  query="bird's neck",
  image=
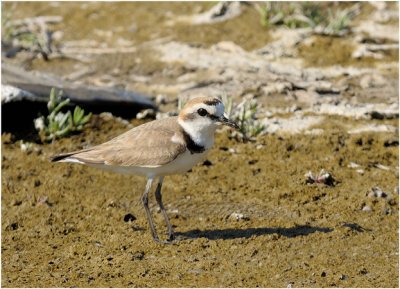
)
(199, 136)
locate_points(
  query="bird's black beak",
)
(223, 120)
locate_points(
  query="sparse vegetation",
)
(291, 15)
(228, 104)
(18, 36)
(338, 22)
(58, 124)
(30, 34)
(245, 114)
(306, 14)
(181, 102)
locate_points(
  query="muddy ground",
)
(63, 225)
(245, 218)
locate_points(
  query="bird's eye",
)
(202, 112)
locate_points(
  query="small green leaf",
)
(52, 101)
(58, 124)
(61, 105)
(86, 118)
(78, 114)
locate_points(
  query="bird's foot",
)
(171, 237)
(170, 240)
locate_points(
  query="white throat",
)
(201, 134)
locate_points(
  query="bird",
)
(159, 148)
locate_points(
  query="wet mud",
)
(244, 218)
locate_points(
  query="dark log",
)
(19, 109)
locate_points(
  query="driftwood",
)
(40, 84)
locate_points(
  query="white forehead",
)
(216, 109)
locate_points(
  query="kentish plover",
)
(158, 148)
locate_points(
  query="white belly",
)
(181, 164)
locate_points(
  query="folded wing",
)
(149, 145)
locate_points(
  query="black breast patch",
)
(193, 147)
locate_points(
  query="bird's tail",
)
(60, 157)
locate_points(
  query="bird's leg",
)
(145, 200)
(160, 204)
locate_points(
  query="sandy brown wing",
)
(148, 147)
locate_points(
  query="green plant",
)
(245, 115)
(291, 15)
(338, 21)
(313, 12)
(270, 13)
(246, 118)
(181, 102)
(8, 29)
(19, 35)
(228, 104)
(306, 14)
(29, 34)
(58, 124)
(263, 11)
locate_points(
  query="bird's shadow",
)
(226, 234)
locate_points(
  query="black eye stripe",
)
(204, 112)
(213, 117)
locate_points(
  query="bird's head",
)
(204, 113)
(201, 116)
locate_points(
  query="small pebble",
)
(26, 147)
(353, 165)
(387, 211)
(137, 256)
(377, 192)
(322, 178)
(137, 228)
(162, 115)
(366, 209)
(363, 271)
(161, 99)
(12, 227)
(43, 200)
(238, 216)
(259, 146)
(17, 203)
(382, 167)
(391, 143)
(147, 113)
